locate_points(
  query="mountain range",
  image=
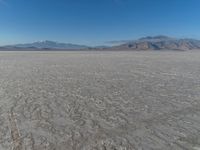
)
(47, 45)
(160, 43)
(145, 43)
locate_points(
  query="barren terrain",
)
(100, 100)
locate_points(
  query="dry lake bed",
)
(100, 100)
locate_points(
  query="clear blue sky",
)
(94, 22)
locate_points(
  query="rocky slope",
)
(160, 43)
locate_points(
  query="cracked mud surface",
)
(99, 100)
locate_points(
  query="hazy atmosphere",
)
(99, 75)
(96, 22)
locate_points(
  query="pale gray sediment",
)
(100, 100)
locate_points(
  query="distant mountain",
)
(156, 38)
(146, 43)
(160, 43)
(48, 45)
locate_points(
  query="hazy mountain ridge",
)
(160, 43)
(48, 45)
(146, 43)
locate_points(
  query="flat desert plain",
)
(100, 100)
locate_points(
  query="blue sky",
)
(94, 22)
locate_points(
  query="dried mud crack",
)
(100, 100)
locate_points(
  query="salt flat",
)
(100, 100)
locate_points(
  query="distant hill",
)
(47, 45)
(159, 43)
(145, 43)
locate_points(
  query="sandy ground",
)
(100, 100)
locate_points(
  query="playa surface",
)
(100, 100)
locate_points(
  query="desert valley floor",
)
(100, 100)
